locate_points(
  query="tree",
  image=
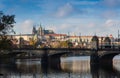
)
(70, 44)
(63, 44)
(5, 44)
(6, 27)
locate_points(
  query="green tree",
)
(70, 45)
(6, 27)
(5, 43)
(66, 44)
(63, 44)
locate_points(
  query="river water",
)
(70, 67)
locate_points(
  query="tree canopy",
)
(6, 23)
(6, 27)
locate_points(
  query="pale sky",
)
(88, 17)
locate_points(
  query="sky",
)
(88, 17)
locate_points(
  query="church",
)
(41, 31)
(35, 35)
(38, 34)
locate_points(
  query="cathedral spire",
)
(40, 25)
(34, 30)
(40, 30)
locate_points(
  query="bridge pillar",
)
(44, 58)
(54, 62)
(94, 58)
(44, 62)
(94, 68)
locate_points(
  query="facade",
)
(80, 38)
(26, 37)
(54, 37)
(42, 36)
(41, 31)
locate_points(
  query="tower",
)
(40, 30)
(34, 31)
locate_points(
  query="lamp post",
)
(118, 36)
(101, 42)
(118, 39)
(20, 41)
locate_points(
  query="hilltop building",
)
(44, 36)
(41, 31)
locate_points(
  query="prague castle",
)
(49, 37)
(41, 31)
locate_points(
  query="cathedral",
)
(37, 34)
(41, 31)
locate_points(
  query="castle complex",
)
(42, 36)
(41, 31)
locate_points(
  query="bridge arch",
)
(53, 59)
(58, 54)
(107, 58)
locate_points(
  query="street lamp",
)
(20, 41)
(118, 36)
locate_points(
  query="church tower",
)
(34, 31)
(40, 30)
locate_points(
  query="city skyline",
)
(88, 17)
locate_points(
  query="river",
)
(70, 67)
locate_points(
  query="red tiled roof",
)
(79, 36)
(56, 35)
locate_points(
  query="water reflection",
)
(116, 63)
(71, 67)
(76, 64)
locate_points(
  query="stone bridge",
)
(104, 56)
(50, 51)
(96, 56)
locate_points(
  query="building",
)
(56, 37)
(43, 36)
(41, 31)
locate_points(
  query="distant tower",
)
(34, 31)
(40, 30)
(43, 32)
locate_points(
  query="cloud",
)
(112, 23)
(91, 25)
(110, 26)
(109, 23)
(64, 10)
(85, 2)
(24, 27)
(110, 8)
(65, 27)
(54, 28)
(70, 9)
(111, 3)
(109, 14)
(74, 28)
(61, 28)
